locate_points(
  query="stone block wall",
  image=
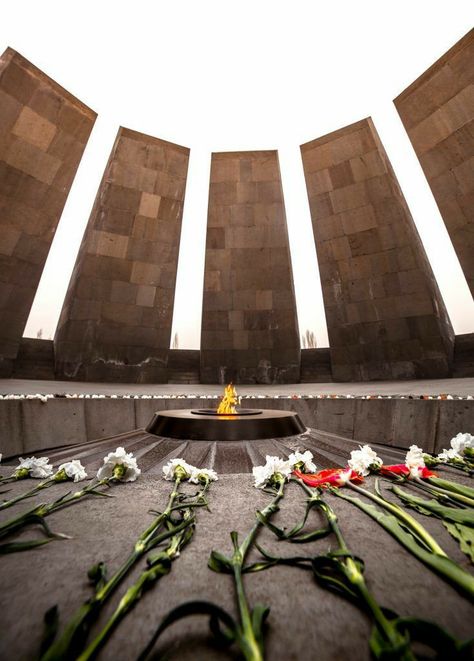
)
(249, 324)
(116, 321)
(438, 113)
(43, 133)
(385, 316)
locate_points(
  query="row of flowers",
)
(45, 397)
(173, 529)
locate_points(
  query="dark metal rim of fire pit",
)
(188, 425)
(213, 412)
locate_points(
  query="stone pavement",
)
(462, 387)
(306, 622)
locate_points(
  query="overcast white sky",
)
(220, 76)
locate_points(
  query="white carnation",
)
(202, 475)
(449, 455)
(38, 467)
(462, 441)
(305, 458)
(74, 470)
(414, 457)
(170, 467)
(274, 465)
(363, 460)
(121, 465)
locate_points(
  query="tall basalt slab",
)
(43, 132)
(437, 111)
(116, 320)
(385, 315)
(249, 324)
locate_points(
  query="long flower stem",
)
(413, 536)
(159, 567)
(73, 637)
(37, 513)
(407, 519)
(456, 499)
(27, 494)
(355, 575)
(250, 645)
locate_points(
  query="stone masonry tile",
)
(441, 86)
(358, 219)
(225, 170)
(242, 215)
(321, 206)
(330, 228)
(368, 165)
(144, 273)
(341, 175)
(269, 214)
(119, 197)
(149, 205)
(318, 182)
(459, 110)
(34, 129)
(216, 238)
(47, 103)
(146, 295)
(349, 197)
(143, 251)
(9, 237)
(218, 320)
(170, 210)
(223, 193)
(98, 289)
(107, 244)
(74, 121)
(117, 221)
(131, 151)
(269, 191)
(107, 268)
(11, 109)
(250, 192)
(167, 186)
(123, 292)
(363, 243)
(85, 309)
(265, 168)
(33, 161)
(67, 148)
(429, 132)
(18, 82)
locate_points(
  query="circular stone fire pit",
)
(208, 425)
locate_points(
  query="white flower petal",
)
(306, 458)
(119, 458)
(414, 457)
(170, 467)
(362, 460)
(74, 470)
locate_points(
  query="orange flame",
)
(229, 401)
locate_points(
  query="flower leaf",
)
(217, 615)
(220, 563)
(51, 624)
(98, 575)
(259, 616)
(464, 536)
(434, 508)
(15, 547)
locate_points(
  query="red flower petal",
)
(330, 476)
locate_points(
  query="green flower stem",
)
(28, 494)
(459, 492)
(456, 499)
(249, 644)
(411, 523)
(6, 480)
(159, 567)
(413, 536)
(355, 575)
(38, 512)
(73, 637)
